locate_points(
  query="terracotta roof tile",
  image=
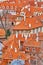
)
(40, 34)
(40, 3)
(33, 36)
(32, 43)
(36, 9)
(12, 41)
(41, 17)
(30, 23)
(9, 53)
(41, 38)
(21, 26)
(2, 32)
(34, 22)
(21, 38)
(14, 55)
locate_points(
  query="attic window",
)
(30, 25)
(29, 9)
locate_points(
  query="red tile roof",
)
(35, 9)
(31, 43)
(21, 26)
(34, 22)
(30, 23)
(2, 32)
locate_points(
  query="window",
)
(19, 18)
(36, 30)
(33, 62)
(27, 48)
(16, 34)
(35, 13)
(39, 13)
(36, 2)
(33, 49)
(42, 29)
(30, 25)
(22, 13)
(12, 12)
(15, 49)
(20, 32)
(31, 31)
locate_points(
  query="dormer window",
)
(28, 9)
(22, 13)
(30, 25)
(15, 49)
